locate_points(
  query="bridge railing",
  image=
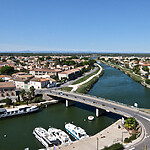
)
(112, 101)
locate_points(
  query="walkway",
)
(107, 137)
(77, 85)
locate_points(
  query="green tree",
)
(8, 101)
(74, 57)
(48, 58)
(32, 89)
(145, 68)
(22, 94)
(29, 95)
(131, 123)
(147, 81)
(7, 70)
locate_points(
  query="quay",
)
(106, 137)
(104, 105)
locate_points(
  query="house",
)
(22, 81)
(52, 82)
(66, 74)
(5, 77)
(69, 74)
(43, 71)
(39, 83)
(50, 75)
(7, 90)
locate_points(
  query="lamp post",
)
(97, 143)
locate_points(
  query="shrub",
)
(133, 137)
(147, 81)
(8, 101)
(116, 146)
(127, 140)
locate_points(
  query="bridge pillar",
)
(99, 112)
(69, 103)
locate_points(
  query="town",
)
(20, 74)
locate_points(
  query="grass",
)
(85, 88)
(86, 77)
(129, 72)
(66, 88)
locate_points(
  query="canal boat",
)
(46, 139)
(17, 111)
(61, 135)
(77, 132)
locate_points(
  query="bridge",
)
(103, 105)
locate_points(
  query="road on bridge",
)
(114, 107)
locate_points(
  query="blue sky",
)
(75, 25)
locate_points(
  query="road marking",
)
(144, 118)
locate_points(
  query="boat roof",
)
(12, 109)
(23, 106)
(2, 109)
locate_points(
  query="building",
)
(69, 74)
(7, 90)
(22, 81)
(5, 77)
(44, 71)
(39, 83)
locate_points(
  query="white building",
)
(39, 83)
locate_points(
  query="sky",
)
(121, 26)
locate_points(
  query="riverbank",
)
(106, 137)
(86, 84)
(130, 73)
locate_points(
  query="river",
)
(113, 85)
(117, 86)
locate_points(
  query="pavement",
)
(114, 107)
(107, 137)
(90, 78)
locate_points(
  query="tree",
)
(22, 94)
(48, 58)
(32, 89)
(8, 101)
(131, 123)
(147, 81)
(7, 70)
(74, 57)
(145, 68)
(29, 95)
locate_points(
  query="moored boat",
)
(17, 111)
(61, 135)
(77, 132)
(45, 138)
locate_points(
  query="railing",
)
(101, 106)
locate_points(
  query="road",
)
(114, 107)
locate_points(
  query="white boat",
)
(17, 111)
(77, 132)
(61, 135)
(45, 138)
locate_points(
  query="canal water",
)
(113, 85)
(117, 86)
